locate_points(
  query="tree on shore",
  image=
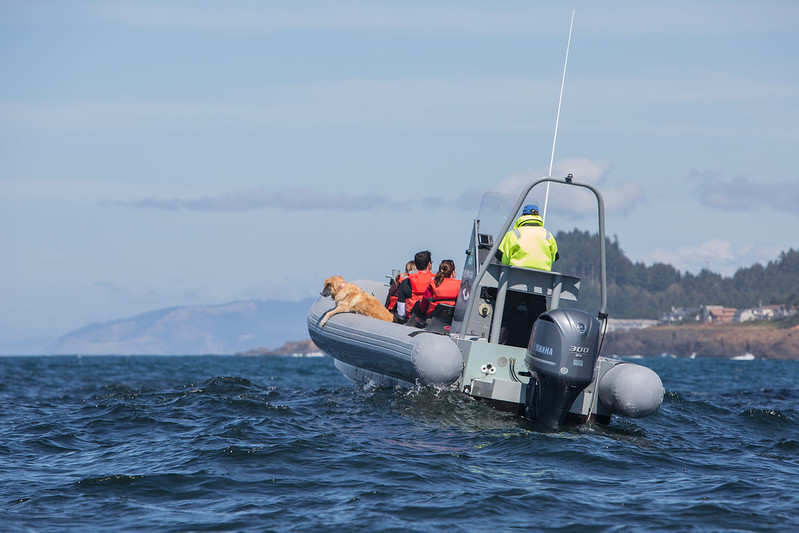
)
(636, 290)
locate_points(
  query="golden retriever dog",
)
(350, 298)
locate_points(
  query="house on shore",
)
(765, 312)
(678, 315)
(718, 314)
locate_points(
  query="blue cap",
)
(529, 208)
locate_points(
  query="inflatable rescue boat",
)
(556, 375)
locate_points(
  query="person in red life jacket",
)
(412, 288)
(443, 289)
(391, 298)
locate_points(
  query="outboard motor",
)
(562, 354)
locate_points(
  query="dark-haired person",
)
(443, 289)
(411, 289)
(530, 245)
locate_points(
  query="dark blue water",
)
(287, 444)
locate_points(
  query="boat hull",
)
(391, 350)
(368, 350)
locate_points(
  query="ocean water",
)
(287, 444)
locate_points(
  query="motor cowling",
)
(561, 356)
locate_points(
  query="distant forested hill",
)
(639, 291)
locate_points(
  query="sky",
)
(164, 153)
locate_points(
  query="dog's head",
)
(332, 286)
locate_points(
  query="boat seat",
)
(441, 320)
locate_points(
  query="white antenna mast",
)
(557, 117)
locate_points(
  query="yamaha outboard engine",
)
(562, 355)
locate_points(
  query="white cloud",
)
(588, 170)
(619, 199)
(623, 199)
(583, 169)
(300, 199)
(293, 199)
(744, 194)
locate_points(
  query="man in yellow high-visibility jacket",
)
(529, 244)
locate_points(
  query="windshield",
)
(494, 210)
(496, 207)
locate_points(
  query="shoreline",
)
(763, 341)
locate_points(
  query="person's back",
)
(442, 289)
(419, 281)
(412, 288)
(529, 244)
(446, 293)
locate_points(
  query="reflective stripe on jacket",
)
(529, 244)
